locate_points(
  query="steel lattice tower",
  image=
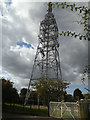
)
(47, 60)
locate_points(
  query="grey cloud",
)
(73, 52)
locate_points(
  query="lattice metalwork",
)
(47, 62)
(65, 110)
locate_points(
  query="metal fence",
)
(66, 110)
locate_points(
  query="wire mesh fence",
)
(66, 110)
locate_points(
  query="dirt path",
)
(25, 117)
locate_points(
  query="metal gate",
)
(66, 110)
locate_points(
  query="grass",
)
(66, 114)
(25, 110)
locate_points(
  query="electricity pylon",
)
(47, 61)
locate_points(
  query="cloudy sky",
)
(20, 24)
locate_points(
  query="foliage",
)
(33, 97)
(69, 98)
(49, 90)
(9, 94)
(33, 100)
(86, 74)
(23, 92)
(78, 94)
(87, 96)
(84, 14)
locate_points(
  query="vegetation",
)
(20, 109)
(50, 90)
(84, 14)
(84, 17)
(22, 95)
(86, 96)
(69, 98)
(78, 94)
(10, 94)
(46, 91)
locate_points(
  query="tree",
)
(87, 96)
(33, 100)
(49, 90)
(69, 98)
(78, 94)
(22, 95)
(9, 94)
(14, 95)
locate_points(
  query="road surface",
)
(26, 117)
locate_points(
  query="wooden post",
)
(61, 111)
(89, 109)
(83, 110)
(79, 109)
(48, 106)
(38, 102)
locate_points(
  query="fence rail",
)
(64, 110)
(70, 110)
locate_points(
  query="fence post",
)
(84, 110)
(89, 109)
(48, 106)
(38, 102)
(79, 110)
(61, 110)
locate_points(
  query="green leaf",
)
(80, 37)
(71, 8)
(63, 6)
(57, 3)
(67, 34)
(61, 3)
(74, 4)
(84, 38)
(48, 4)
(53, 6)
(76, 9)
(83, 78)
(80, 11)
(75, 36)
(60, 34)
(64, 3)
(74, 33)
(67, 6)
(64, 34)
(57, 6)
(85, 29)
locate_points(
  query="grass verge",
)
(19, 109)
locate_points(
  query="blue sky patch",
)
(3, 10)
(21, 44)
(9, 2)
(71, 88)
(74, 70)
(4, 75)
